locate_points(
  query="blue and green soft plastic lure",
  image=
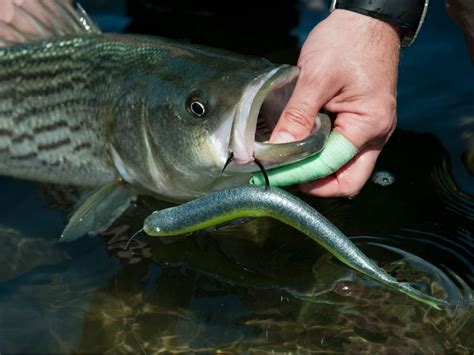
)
(258, 201)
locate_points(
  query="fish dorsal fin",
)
(44, 19)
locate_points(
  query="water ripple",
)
(445, 187)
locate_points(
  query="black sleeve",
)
(462, 12)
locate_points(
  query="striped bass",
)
(124, 115)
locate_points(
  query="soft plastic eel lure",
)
(252, 201)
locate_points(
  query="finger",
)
(311, 92)
(6, 9)
(366, 122)
(348, 180)
(9, 14)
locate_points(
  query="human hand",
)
(349, 65)
(7, 12)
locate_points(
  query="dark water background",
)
(261, 286)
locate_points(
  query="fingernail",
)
(283, 137)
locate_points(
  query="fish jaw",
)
(246, 116)
(256, 116)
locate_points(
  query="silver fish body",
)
(52, 98)
(114, 112)
(87, 109)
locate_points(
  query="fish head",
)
(205, 109)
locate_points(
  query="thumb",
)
(297, 119)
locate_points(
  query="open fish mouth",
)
(256, 116)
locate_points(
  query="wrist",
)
(406, 15)
(377, 30)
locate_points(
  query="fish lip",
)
(273, 88)
(246, 115)
(274, 155)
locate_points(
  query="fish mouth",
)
(256, 116)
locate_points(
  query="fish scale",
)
(51, 126)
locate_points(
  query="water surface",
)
(262, 286)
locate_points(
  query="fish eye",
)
(197, 107)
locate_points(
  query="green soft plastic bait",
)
(337, 152)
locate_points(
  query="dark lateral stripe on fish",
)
(38, 130)
(60, 53)
(50, 127)
(51, 84)
(46, 91)
(5, 132)
(22, 137)
(82, 146)
(76, 128)
(54, 145)
(35, 163)
(68, 73)
(36, 111)
(6, 113)
(61, 50)
(26, 156)
(55, 79)
(44, 72)
(39, 72)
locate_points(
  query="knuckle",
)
(385, 117)
(384, 127)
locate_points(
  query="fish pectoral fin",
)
(99, 210)
(40, 20)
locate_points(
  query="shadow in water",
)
(262, 286)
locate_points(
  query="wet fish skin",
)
(184, 154)
(67, 103)
(115, 112)
(49, 112)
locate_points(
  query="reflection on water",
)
(45, 291)
(262, 286)
(173, 303)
